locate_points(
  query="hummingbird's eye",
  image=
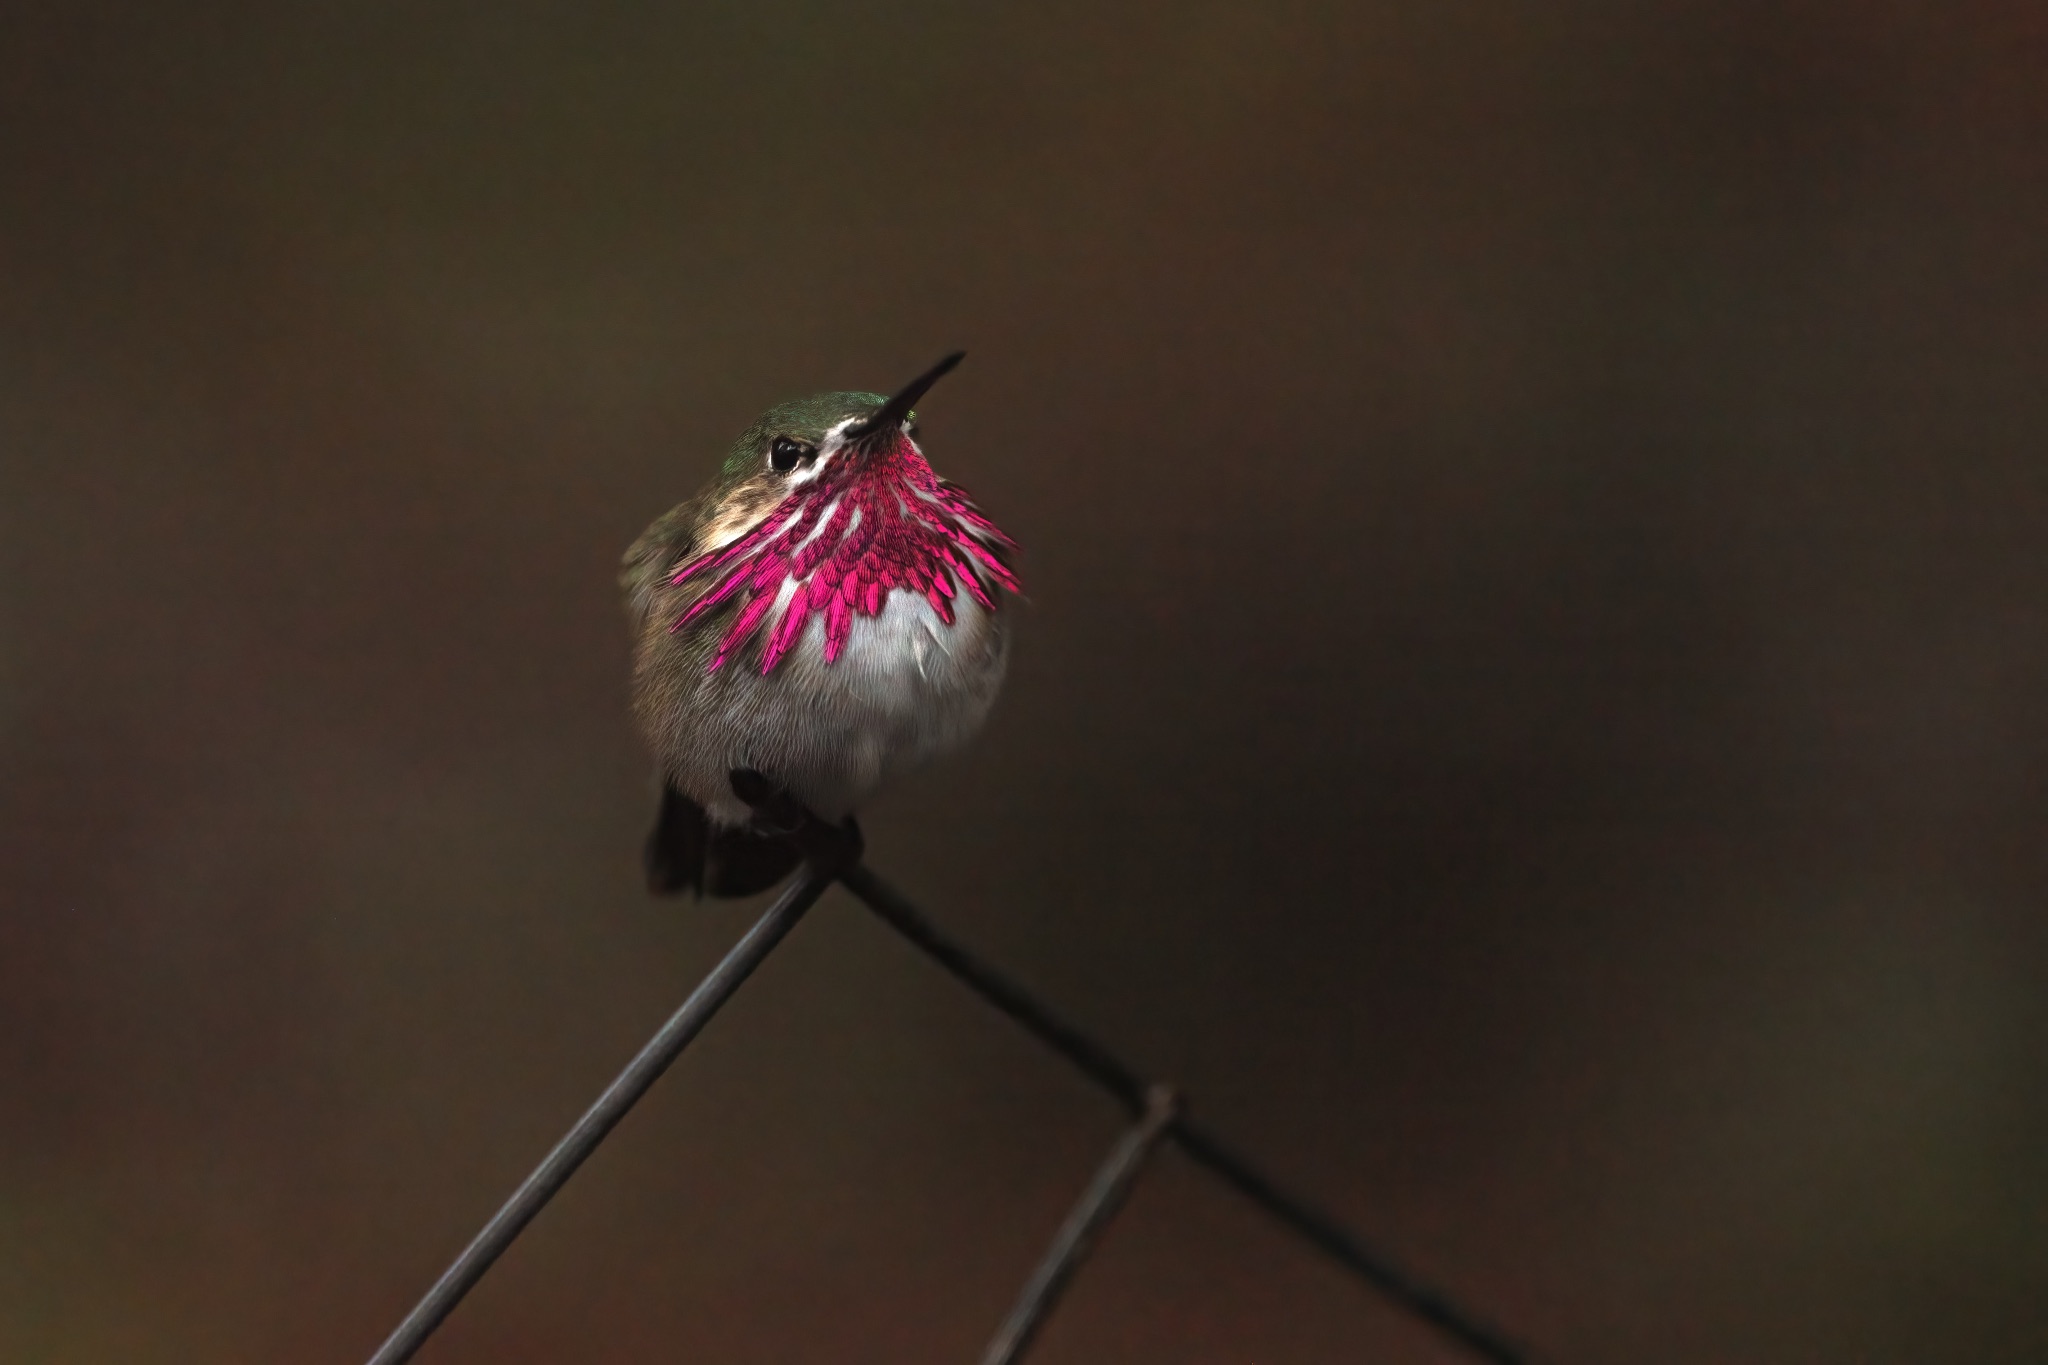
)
(785, 453)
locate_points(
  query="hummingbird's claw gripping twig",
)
(778, 813)
(768, 797)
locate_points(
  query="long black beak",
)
(890, 415)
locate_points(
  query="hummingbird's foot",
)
(684, 853)
(779, 815)
(776, 809)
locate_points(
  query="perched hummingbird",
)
(826, 613)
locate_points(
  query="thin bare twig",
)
(1099, 1203)
(834, 854)
(1114, 1075)
(601, 1117)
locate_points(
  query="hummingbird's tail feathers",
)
(684, 853)
(677, 845)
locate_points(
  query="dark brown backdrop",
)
(1531, 703)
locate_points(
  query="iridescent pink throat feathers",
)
(868, 524)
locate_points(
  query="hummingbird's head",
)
(791, 442)
(795, 444)
(826, 506)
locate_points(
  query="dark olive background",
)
(1530, 704)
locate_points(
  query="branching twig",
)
(834, 853)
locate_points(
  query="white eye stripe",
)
(833, 441)
(835, 436)
(825, 450)
(808, 470)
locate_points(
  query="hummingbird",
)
(825, 615)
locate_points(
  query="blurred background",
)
(1530, 703)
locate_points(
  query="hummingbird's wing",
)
(652, 558)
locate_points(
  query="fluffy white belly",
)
(906, 688)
